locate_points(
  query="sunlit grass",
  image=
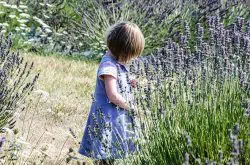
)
(61, 100)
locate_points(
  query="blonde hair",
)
(125, 41)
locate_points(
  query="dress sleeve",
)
(107, 68)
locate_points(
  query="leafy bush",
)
(16, 80)
(39, 26)
(58, 15)
(14, 18)
(195, 105)
(17, 19)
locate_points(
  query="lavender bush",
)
(16, 81)
(193, 105)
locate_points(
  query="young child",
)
(110, 133)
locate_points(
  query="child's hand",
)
(133, 83)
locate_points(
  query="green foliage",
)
(40, 26)
(59, 16)
(14, 18)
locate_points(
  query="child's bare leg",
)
(109, 162)
(104, 162)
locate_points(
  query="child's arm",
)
(113, 95)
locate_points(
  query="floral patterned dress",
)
(110, 132)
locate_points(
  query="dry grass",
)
(60, 101)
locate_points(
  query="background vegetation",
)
(193, 95)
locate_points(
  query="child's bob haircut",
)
(125, 41)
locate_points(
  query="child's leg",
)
(104, 162)
(110, 162)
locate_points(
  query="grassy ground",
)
(60, 102)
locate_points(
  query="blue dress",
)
(111, 132)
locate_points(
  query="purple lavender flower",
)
(2, 140)
(247, 111)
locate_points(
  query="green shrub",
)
(59, 17)
(39, 26)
